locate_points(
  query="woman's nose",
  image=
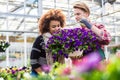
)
(57, 28)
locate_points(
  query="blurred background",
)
(18, 24)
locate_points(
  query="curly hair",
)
(52, 14)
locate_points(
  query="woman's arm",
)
(38, 55)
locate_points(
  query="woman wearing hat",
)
(81, 12)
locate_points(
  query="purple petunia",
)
(70, 40)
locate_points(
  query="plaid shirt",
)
(105, 37)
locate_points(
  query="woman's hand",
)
(38, 70)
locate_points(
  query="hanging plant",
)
(3, 46)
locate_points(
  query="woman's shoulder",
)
(39, 39)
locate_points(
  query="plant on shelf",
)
(3, 46)
(14, 73)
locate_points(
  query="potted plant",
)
(3, 46)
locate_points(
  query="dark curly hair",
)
(52, 14)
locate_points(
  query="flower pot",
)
(76, 54)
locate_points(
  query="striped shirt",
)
(38, 54)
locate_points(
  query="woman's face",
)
(54, 26)
(79, 14)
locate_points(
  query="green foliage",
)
(14, 73)
(2, 57)
(111, 72)
(103, 71)
(3, 46)
(113, 69)
(114, 49)
(62, 78)
(42, 77)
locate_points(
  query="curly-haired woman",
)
(50, 22)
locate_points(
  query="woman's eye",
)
(53, 26)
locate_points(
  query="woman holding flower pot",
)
(50, 22)
(81, 12)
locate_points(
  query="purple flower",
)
(67, 45)
(69, 40)
(46, 68)
(13, 71)
(89, 62)
(60, 52)
(66, 55)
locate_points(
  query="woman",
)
(50, 22)
(81, 12)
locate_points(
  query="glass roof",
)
(23, 14)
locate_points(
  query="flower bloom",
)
(70, 40)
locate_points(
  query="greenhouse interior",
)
(19, 29)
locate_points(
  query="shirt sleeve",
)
(38, 55)
(105, 36)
